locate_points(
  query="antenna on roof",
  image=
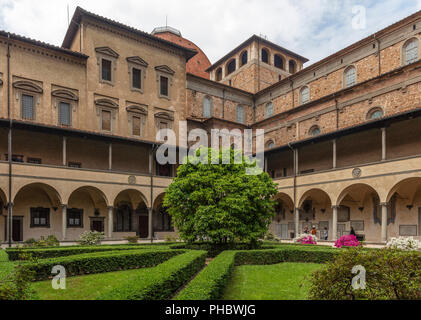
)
(263, 36)
(166, 20)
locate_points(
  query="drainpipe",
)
(10, 212)
(223, 103)
(296, 213)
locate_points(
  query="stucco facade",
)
(80, 121)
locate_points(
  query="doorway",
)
(17, 229)
(97, 225)
(143, 227)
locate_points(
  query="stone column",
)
(384, 222)
(297, 222)
(150, 222)
(384, 155)
(334, 155)
(110, 157)
(334, 236)
(64, 221)
(110, 222)
(64, 151)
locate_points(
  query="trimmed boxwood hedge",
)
(55, 252)
(161, 282)
(211, 282)
(101, 262)
(215, 249)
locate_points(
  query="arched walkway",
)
(162, 222)
(359, 208)
(404, 198)
(36, 212)
(284, 216)
(131, 213)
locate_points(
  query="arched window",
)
(375, 113)
(410, 51)
(231, 66)
(244, 58)
(207, 107)
(292, 66)
(265, 56)
(241, 118)
(269, 110)
(279, 62)
(305, 95)
(315, 131)
(270, 144)
(350, 76)
(219, 74)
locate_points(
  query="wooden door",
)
(17, 230)
(98, 226)
(143, 227)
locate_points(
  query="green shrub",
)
(50, 241)
(101, 262)
(161, 282)
(390, 275)
(215, 249)
(30, 243)
(211, 282)
(132, 240)
(45, 253)
(91, 238)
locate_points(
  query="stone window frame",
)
(269, 143)
(140, 64)
(108, 54)
(345, 76)
(314, 128)
(140, 112)
(104, 104)
(163, 116)
(282, 59)
(233, 60)
(374, 110)
(211, 111)
(268, 55)
(81, 218)
(65, 96)
(269, 114)
(242, 63)
(404, 47)
(30, 88)
(301, 95)
(164, 71)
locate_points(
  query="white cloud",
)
(313, 28)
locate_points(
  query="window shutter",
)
(65, 114)
(106, 120)
(27, 107)
(136, 126)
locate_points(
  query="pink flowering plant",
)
(306, 239)
(347, 241)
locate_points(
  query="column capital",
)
(9, 204)
(336, 207)
(110, 207)
(63, 206)
(384, 204)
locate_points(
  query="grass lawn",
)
(284, 281)
(87, 287)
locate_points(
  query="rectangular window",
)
(75, 218)
(34, 161)
(106, 70)
(136, 126)
(106, 120)
(40, 217)
(64, 114)
(164, 86)
(136, 78)
(240, 114)
(76, 165)
(15, 158)
(27, 107)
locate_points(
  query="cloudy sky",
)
(312, 28)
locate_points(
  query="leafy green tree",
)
(220, 203)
